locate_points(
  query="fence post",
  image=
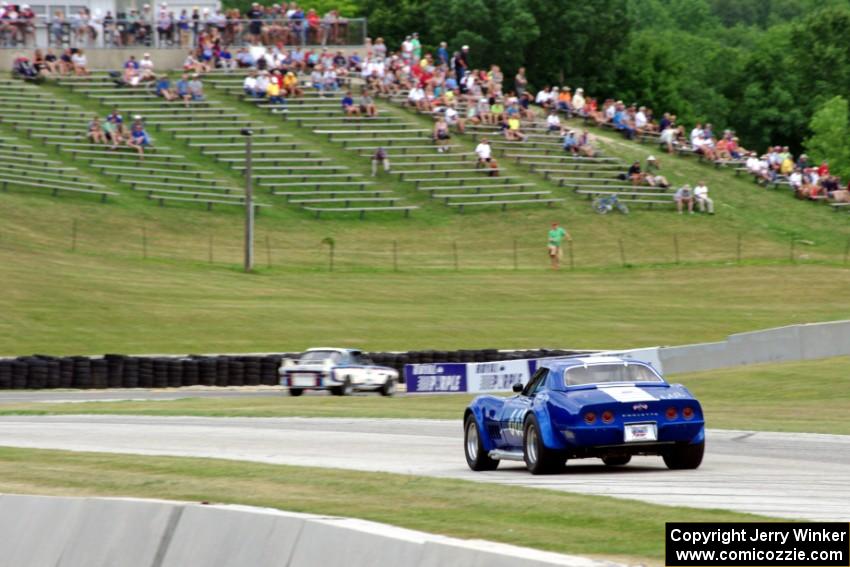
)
(622, 252)
(516, 256)
(395, 255)
(570, 249)
(454, 252)
(268, 252)
(330, 242)
(676, 247)
(738, 256)
(74, 235)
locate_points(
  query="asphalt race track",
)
(791, 475)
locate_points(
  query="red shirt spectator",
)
(823, 169)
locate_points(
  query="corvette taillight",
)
(688, 413)
(672, 413)
(607, 417)
(589, 417)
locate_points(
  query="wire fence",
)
(279, 250)
(164, 33)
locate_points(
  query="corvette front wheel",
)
(539, 459)
(476, 455)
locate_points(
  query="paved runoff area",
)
(787, 475)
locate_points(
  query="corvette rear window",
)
(605, 373)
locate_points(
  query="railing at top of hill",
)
(103, 33)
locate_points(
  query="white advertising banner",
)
(497, 376)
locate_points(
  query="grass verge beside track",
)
(769, 397)
(542, 519)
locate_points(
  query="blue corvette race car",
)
(591, 407)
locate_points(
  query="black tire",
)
(388, 389)
(683, 457)
(346, 389)
(539, 459)
(296, 392)
(617, 460)
(473, 449)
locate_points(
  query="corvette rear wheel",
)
(683, 456)
(617, 460)
(388, 389)
(539, 459)
(476, 455)
(295, 392)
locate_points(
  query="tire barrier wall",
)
(122, 371)
(111, 532)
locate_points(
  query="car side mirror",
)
(517, 387)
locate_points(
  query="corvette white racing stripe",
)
(627, 393)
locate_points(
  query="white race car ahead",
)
(340, 370)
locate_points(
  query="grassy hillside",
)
(140, 278)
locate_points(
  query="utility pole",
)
(249, 202)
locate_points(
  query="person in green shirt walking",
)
(556, 236)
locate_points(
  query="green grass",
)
(799, 396)
(139, 278)
(543, 519)
(796, 396)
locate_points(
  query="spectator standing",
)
(684, 196)
(703, 200)
(556, 237)
(520, 82)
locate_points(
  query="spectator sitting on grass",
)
(80, 63)
(442, 135)
(703, 200)
(513, 131)
(96, 134)
(497, 109)
(570, 143)
(348, 105)
(249, 84)
(290, 85)
(565, 99)
(484, 152)
(146, 68)
(578, 102)
(163, 88)
(795, 180)
(196, 88)
(138, 139)
(381, 156)
(111, 133)
(367, 104)
(585, 148)
(453, 119)
(635, 174)
(183, 89)
(553, 122)
(684, 196)
(273, 91)
(261, 86)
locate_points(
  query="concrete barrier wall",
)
(781, 344)
(114, 532)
